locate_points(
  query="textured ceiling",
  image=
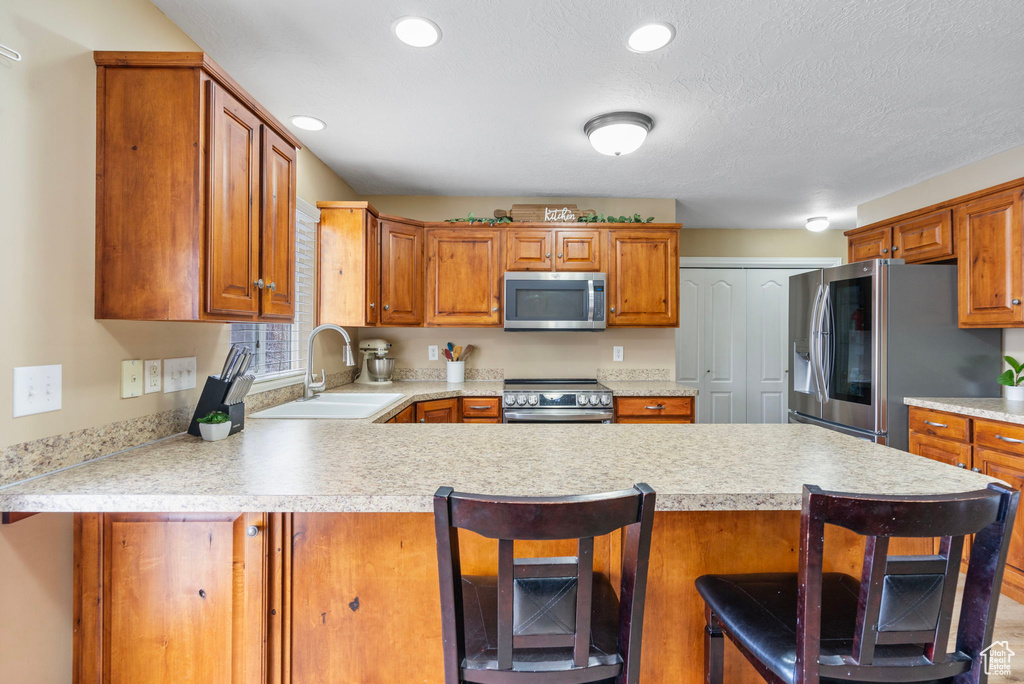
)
(766, 112)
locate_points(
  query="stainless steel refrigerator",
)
(865, 335)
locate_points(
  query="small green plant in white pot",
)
(214, 426)
(1013, 379)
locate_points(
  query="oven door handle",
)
(555, 417)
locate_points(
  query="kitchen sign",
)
(551, 213)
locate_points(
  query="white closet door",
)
(725, 369)
(690, 334)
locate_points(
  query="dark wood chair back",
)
(582, 518)
(906, 601)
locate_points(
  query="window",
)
(281, 347)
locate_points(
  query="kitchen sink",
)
(348, 405)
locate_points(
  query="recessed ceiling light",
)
(308, 123)
(651, 37)
(416, 31)
(817, 223)
(618, 132)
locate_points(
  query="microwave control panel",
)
(598, 302)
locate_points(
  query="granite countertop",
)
(994, 408)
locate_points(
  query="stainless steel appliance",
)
(556, 401)
(865, 335)
(554, 301)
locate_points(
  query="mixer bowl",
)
(380, 369)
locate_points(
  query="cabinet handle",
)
(258, 283)
(372, 305)
(928, 422)
(559, 255)
(894, 249)
(975, 470)
(961, 465)
(387, 307)
(612, 309)
(548, 255)
(252, 530)
(654, 408)
(1011, 440)
(885, 250)
(272, 286)
(1016, 302)
(423, 420)
(494, 309)
(479, 408)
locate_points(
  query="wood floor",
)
(1009, 627)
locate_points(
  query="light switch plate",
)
(151, 379)
(616, 353)
(131, 379)
(36, 389)
(432, 353)
(179, 374)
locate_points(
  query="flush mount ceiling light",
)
(416, 31)
(817, 223)
(618, 132)
(308, 123)
(651, 37)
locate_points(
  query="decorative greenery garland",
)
(585, 218)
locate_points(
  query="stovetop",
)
(557, 393)
(564, 385)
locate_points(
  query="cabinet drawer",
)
(1001, 436)
(653, 407)
(481, 420)
(481, 407)
(939, 424)
(941, 450)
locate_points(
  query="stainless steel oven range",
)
(556, 401)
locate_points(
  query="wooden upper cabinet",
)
(464, 277)
(528, 250)
(277, 238)
(991, 268)
(578, 250)
(924, 238)
(872, 244)
(643, 277)
(195, 188)
(170, 598)
(401, 273)
(348, 264)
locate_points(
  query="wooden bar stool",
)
(893, 624)
(549, 620)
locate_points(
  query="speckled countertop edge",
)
(994, 408)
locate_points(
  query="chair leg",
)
(714, 649)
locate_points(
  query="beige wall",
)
(47, 191)
(440, 208)
(709, 242)
(994, 170)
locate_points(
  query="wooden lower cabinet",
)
(654, 409)
(1010, 469)
(941, 450)
(170, 598)
(438, 411)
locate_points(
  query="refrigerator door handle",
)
(818, 336)
(814, 336)
(828, 343)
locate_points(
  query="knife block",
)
(212, 399)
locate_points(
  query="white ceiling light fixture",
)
(651, 37)
(308, 123)
(817, 224)
(618, 133)
(416, 31)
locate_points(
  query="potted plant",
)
(214, 426)
(1013, 379)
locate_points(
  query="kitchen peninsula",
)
(358, 579)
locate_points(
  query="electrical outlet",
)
(179, 374)
(36, 389)
(432, 353)
(131, 379)
(616, 353)
(151, 376)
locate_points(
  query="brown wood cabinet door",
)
(407, 415)
(643, 277)
(528, 250)
(990, 261)
(578, 250)
(941, 450)
(874, 244)
(463, 277)
(277, 238)
(346, 271)
(401, 276)
(438, 411)
(372, 270)
(165, 599)
(1009, 469)
(925, 238)
(233, 227)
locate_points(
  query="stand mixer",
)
(375, 365)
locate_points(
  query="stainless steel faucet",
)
(310, 388)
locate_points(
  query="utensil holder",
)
(456, 371)
(212, 399)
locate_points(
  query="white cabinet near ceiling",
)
(732, 342)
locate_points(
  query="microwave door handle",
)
(590, 294)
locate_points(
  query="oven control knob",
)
(532, 400)
(510, 400)
(521, 399)
(582, 399)
(606, 399)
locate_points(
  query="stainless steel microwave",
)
(554, 301)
